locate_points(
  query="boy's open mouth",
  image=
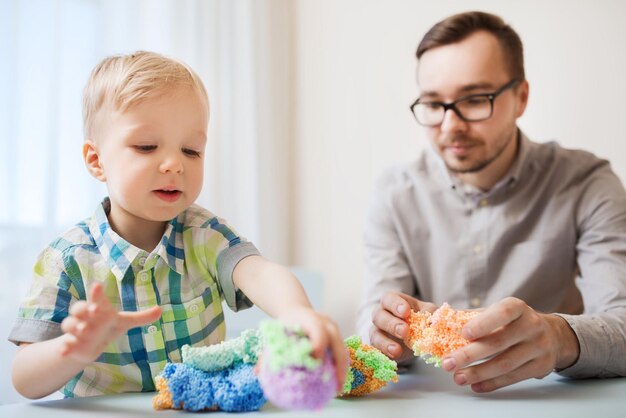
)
(168, 195)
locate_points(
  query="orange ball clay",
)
(433, 335)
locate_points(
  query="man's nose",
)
(452, 122)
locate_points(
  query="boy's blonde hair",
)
(122, 81)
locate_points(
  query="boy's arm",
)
(40, 369)
(91, 325)
(278, 292)
(270, 286)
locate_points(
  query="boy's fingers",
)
(69, 344)
(97, 300)
(324, 336)
(79, 309)
(96, 293)
(340, 354)
(69, 324)
(319, 340)
(130, 320)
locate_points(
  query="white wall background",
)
(355, 78)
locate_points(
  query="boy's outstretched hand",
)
(94, 323)
(323, 334)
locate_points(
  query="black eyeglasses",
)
(471, 108)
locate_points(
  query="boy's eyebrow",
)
(202, 134)
(138, 128)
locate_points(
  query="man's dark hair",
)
(458, 27)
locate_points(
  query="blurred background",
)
(309, 104)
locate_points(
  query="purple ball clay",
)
(297, 387)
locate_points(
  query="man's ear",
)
(92, 160)
(522, 98)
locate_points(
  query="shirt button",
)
(477, 249)
(193, 308)
(142, 261)
(152, 329)
(143, 277)
(475, 302)
(483, 202)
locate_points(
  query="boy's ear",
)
(92, 160)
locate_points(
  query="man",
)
(489, 219)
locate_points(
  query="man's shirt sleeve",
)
(601, 330)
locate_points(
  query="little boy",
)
(117, 296)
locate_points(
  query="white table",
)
(425, 392)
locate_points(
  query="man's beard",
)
(479, 165)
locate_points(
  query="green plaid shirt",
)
(188, 274)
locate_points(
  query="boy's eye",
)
(145, 148)
(191, 152)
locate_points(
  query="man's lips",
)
(459, 148)
(168, 195)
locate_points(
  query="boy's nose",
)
(172, 164)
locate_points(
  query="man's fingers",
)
(504, 363)
(496, 342)
(130, 320)
(398, 304)
(390, 347)
(530, 369)
(494, 317)
(389, 323)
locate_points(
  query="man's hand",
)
(94, 323)
(390, 328)
(518, 342)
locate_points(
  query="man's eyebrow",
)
(477, 86)
(469, 88)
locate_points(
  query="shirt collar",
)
(521, 161)
(120, 254)
(171, 248)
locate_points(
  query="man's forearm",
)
(569, 348)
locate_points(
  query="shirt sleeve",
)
(226, 262)
(223, 248)
(386, 265)
(47, 303)
(601, 329)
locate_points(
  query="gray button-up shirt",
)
(552, 230)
